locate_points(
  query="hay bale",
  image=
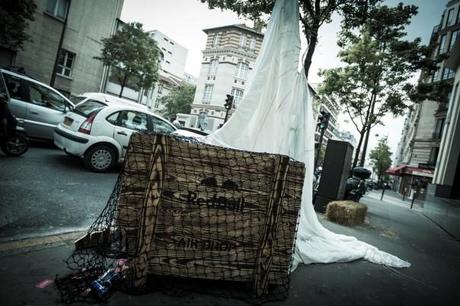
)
(346, 212)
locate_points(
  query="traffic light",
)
(323, 120)
(228, 102)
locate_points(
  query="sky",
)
(184, 21)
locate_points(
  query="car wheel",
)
(100, 158)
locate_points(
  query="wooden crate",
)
(200, 211)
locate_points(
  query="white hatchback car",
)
(100, 126)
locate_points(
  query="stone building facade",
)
(228, 60)
(77, 69)
(419, 147)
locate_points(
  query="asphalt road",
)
(46, 192)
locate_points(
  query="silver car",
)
(38, 107)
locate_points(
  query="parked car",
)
(100, 126)
(37, 107)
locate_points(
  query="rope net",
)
(190, 217)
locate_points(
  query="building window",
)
(237, 95)
(453, 38)
(243, 40)
(442, 42)
(252, 44)
(160, 89)
(450, 17)
(437, 134)
(437, 75)
(213, 67)
(447, 73)
(65, 63)
(241, 70)
(215, 41)
(57, 8)
(433, 155)
(207, 94)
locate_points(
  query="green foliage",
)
(313, 14)
(179, 100)
(134, 54)
(378, 64)
(436, 91)
(14, 17)
(380, 158)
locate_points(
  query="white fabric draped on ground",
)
(275, 115)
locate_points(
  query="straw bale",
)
(346, 212)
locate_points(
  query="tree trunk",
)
(363, 153)
(368, 128)
(358, 148)
(123, 84)
(311, 50)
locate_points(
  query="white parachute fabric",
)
(275, 116)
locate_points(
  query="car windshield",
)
(88, 107)
(77, 99)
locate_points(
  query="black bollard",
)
(383, 192)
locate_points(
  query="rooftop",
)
(239, 26)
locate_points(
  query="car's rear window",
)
(88, 107)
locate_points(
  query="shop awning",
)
(396, 171)
(419, 171)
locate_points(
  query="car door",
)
(18, 97)
(45, 110)
(128, 122)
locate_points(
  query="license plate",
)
(68, 121)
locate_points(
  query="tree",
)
(313, 14)
(14, 17)
(380, 158)
(378, 64)
(134, 54)
(179, 100)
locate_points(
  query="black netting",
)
(188, 217)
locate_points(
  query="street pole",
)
(413, 199)
(226, 115)
(320, 143)
(323, 123)
(61, 41)
(383, 192)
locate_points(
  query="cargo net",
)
(188, 217)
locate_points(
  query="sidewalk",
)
(393, 227)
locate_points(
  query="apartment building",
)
(67, 34)
(419, 147)
(228, 60)
(171, 74)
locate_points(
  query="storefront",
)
(411, 178)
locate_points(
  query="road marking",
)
(40, 241)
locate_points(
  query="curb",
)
(58, 239)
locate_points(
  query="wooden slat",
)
(150, 209)
(265, 254)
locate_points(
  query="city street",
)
(47, 192)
